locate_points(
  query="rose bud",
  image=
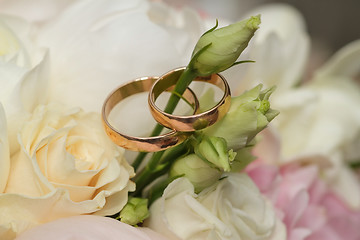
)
(217, 50)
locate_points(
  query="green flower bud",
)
(217, 50)
(215, 150)
(199, 172)
(135, 211)
(249, 113)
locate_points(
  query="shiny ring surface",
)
(198, 120)
(142, 144)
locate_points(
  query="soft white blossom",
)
(23, 73)
(233, 208)
(97, 45)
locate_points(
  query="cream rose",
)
(231, 209)
(66, 166)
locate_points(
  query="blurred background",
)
(331, 23)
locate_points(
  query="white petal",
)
(33, 90)
(345, 62)
(280, 49)
(34, 11)
(101, 50)
(4, 151)
(88, 228)
(347, 186)
(283, 19)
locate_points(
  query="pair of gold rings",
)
(181, 126)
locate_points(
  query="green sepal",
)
(244, 61)
(212, 29)
(197, 54)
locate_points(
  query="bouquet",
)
(276, 157)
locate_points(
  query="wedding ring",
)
(194, 122)
(142, 144)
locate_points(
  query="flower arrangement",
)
(254, 174)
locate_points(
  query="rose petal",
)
(88, 228)
(37, 10)
(90, 24)
(280, 49)
(345, 62)
(347, 186)
(32, 182)
(4, 151)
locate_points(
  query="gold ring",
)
(142, 144)
(196, 121)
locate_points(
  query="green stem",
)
(355, 165)
(185, 79)
(139, 158)
(151, 172)
(142, 179)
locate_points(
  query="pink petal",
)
(263, 176)
(296, 209)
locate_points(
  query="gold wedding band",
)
(142, 144)
(196, 121)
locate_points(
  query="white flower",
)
(233, 208)
(23, 73)
(22, 65)
(66, 166)
(95, 46)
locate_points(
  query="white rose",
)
(97, 45)
(231, 209)
(66, 166)
(23, 73)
